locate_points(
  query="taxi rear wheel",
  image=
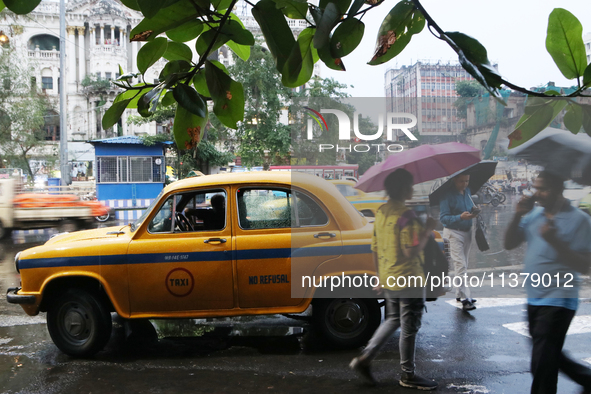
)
(347, 322)
(79, 324)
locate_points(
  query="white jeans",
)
(459, 245)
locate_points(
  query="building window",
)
(46, 82)
(108, 76)
(98, 76)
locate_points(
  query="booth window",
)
(130, 169)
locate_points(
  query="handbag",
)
(480, 235)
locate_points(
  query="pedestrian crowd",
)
(558, 238)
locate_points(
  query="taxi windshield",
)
(139, 221)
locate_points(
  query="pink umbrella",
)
(425, 163)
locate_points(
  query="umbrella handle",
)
(470, 197)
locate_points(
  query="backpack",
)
(435, 262)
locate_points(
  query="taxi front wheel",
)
(79, 324)
(347, 322)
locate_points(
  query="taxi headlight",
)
(16, 260)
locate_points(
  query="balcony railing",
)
(49, 55)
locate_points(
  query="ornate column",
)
(92, 37)
(81, 54)
(102, 29)
(113, 35)
(123, 39)
(71, 54)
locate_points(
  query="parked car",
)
(366, 203)
(181, 260)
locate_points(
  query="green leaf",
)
(150, 53)
(21, 7)
(174, 67)
(190, 100)
(166, 19)
(187, 128)
(293, 9)
(168, 99)
(113, 114)
(227, 95)
(476, 53)
(131, 4)
(120, 70)
(242, 51)
(587, 76)
(149, 7)
(573, 119)
(148, 103)
(396, 31)
(536, 119)
(1, 5)
(220, 5)
(357, 4)
(186, 32)
(200, 83)
(231, 30)
(133, 95)
(346, 37)
(329, 60)
(316, 13)
(205, 40)
(564, 42)
(342, 5)
(178, 51)
(236, 32)
(300, 65)
(329, 19)
(586, 118)
(276, 31)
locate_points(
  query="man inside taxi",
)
(214, 218)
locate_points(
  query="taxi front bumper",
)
(13, 297)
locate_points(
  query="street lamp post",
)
(65, 173)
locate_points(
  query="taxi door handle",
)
(215, 240)
(331, 235)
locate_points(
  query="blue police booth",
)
(129, 174)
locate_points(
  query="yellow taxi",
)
(210, 246)
(366, 203)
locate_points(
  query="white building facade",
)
(97, 43)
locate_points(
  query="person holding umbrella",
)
(456, 211)
(558, 240)
(397, 244)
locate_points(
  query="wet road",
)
(481, 352)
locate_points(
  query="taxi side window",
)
(309, 213)
(204, 210)
(162, 222)
(261, 208)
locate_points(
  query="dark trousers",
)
(548, 326)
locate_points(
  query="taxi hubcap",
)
(76, 322)
(347, 316)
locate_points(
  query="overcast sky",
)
(512, 31)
